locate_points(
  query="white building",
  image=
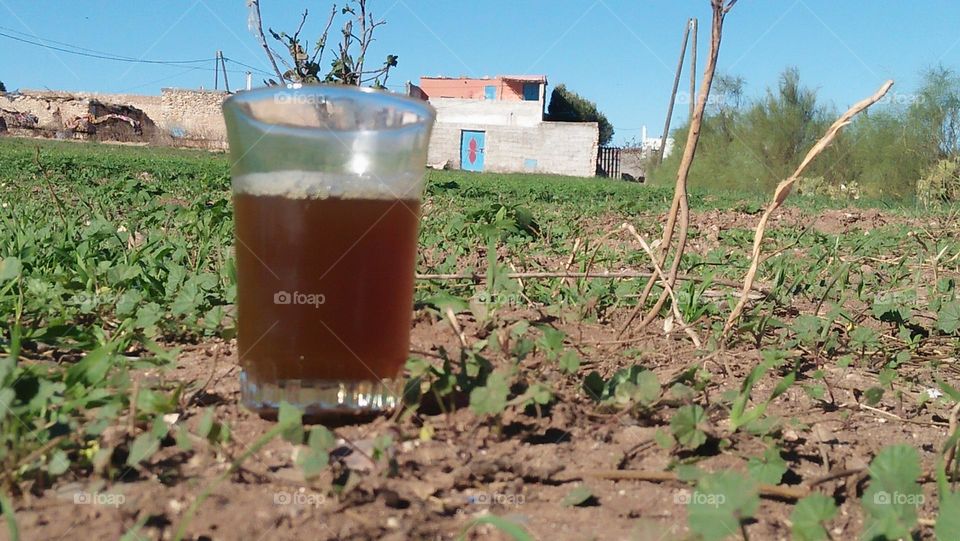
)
(497, 124)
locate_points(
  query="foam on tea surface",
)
(294, 184)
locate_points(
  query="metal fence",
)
(608, 162)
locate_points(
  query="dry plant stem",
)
(773, 491)
(452, 318)
(783, 190)
(551, 274)
(593, 255)
(255, 7)
(573, 256)
(520, 281)
(952, 452)
(132, 419)
(680, 207)
(46, 177)
(666, 284)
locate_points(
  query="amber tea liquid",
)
(324, 285)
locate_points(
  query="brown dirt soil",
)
(522, 468)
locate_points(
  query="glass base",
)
(320, 398)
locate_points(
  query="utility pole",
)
(693, 65)
(673, 94)
(223, 64)
(216, 70)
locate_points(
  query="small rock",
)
(790, 435)
(393, 523)
(175, 506)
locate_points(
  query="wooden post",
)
(693, 65)
(673, 94)
(223, 64)
(216, 70)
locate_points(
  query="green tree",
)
(3, 87)
(934, 111)
(568, 106)
(751, 145)
(784, 125)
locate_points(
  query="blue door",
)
(471, 150)
(490, 92)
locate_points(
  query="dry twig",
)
(783, 190)
(773, 491)
(553, 274)
(666, 284)
(679, 208)
(256, 23)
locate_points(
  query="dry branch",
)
(771, 491)
(783, 190)
(256, 24)
(679, 208)
(666, 284)
(564, 274)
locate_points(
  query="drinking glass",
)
(327, 182)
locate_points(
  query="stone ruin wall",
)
(176, 117)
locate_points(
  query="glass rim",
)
(425, 113)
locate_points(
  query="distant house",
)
(496, 124)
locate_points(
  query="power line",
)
(104, 56)
(70, 45)
(108, 56)
(248, 66)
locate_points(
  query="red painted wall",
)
(508, 90)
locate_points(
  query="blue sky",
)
(619, 53)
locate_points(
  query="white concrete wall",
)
(560, 148)
(498, 112)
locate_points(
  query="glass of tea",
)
(327, 183)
